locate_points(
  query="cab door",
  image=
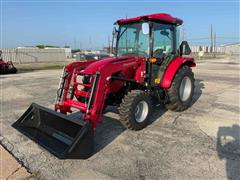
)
(164, 48)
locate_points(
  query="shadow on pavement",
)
(228, 148)
(111, 128)
(199, 85)
(106, 132)
(2, 76)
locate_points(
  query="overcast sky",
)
(87, 24)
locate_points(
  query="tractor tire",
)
(181, 92)
(13, 70)
(135, 110)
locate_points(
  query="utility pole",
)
(80, 45)
(112, 44)
(211, 48)
(109, 45)
(214, 49)
(90, 43)
(183, 33)
(74, 43)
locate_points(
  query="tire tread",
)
(126, 109)
(174, 103)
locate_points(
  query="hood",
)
(93, 67)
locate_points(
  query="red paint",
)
(92, 68)
(173, 68)
(156, 17)
(124, 66)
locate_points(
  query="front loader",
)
(149, 66)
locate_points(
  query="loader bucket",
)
(62, 135)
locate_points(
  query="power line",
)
(218, 37)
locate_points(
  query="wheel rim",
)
(185, 88)
(141, 111)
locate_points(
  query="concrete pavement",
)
(11, 168)
(199, 143)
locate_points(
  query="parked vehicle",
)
(6, 67)
(87, 57)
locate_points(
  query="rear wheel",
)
(13, 70)
(135, 110)
(181, 91)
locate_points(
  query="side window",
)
(163, 40)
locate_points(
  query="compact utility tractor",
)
(6, 67)
(149, 66)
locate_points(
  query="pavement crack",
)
(3, 142)
(13, 172)
(209, 137)
(176, 118)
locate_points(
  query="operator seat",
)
(159, 53)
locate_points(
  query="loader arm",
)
(99, 86)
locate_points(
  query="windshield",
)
(131, 41)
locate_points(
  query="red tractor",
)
(149, 65)
(6, 67)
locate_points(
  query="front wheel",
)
(181, 92)
(135, 110)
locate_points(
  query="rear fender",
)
(172, 69)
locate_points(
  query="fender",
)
(173, 68)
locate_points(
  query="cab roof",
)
(160, 17)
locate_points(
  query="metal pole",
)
(109, 46)
(214, 50)
(112, 49)
(211, 48)
(183, 33)
(75, 43)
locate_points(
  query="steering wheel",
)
(159, 53)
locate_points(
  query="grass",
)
(39, 67)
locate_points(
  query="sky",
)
(88, 24)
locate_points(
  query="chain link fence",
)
(33, 55)
(228, 50)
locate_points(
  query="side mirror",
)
(184, 48)
(145, 28)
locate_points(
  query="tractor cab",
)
(153, 37)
